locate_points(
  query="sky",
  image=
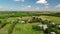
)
(29, 5)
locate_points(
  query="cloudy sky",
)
(29, 5)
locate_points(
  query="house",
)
(22, 22)
(52, 33)
(43, 26)
(52, 24)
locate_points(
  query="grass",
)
(25, 29)
(52, 18)
(4, 30)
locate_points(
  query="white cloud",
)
(46, 7)
(45, 4)
(6, 8)
(23, 8)
(58, 6)
(19, 0)
(26, 7)
(29, 6)
(1, 7)
(41, 2)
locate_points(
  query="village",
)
(45, 25)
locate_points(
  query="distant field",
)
(52, 18)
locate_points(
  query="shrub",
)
(2, 25)
(46, 31)
(37, 28)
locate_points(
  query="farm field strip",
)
(11, 28)
(52, 18)
(24, 29)
(2, 25)
(4, 30)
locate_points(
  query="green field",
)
(17, 28)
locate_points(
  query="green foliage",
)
(12, 27)
(36, 28)
(2, 24)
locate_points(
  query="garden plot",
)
(25, 29)
(4, 30)
(2, 23)
(12, 27)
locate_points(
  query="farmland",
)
(9, 22)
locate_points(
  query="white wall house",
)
(43, 26)
(52, 33)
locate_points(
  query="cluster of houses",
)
(47, 27)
